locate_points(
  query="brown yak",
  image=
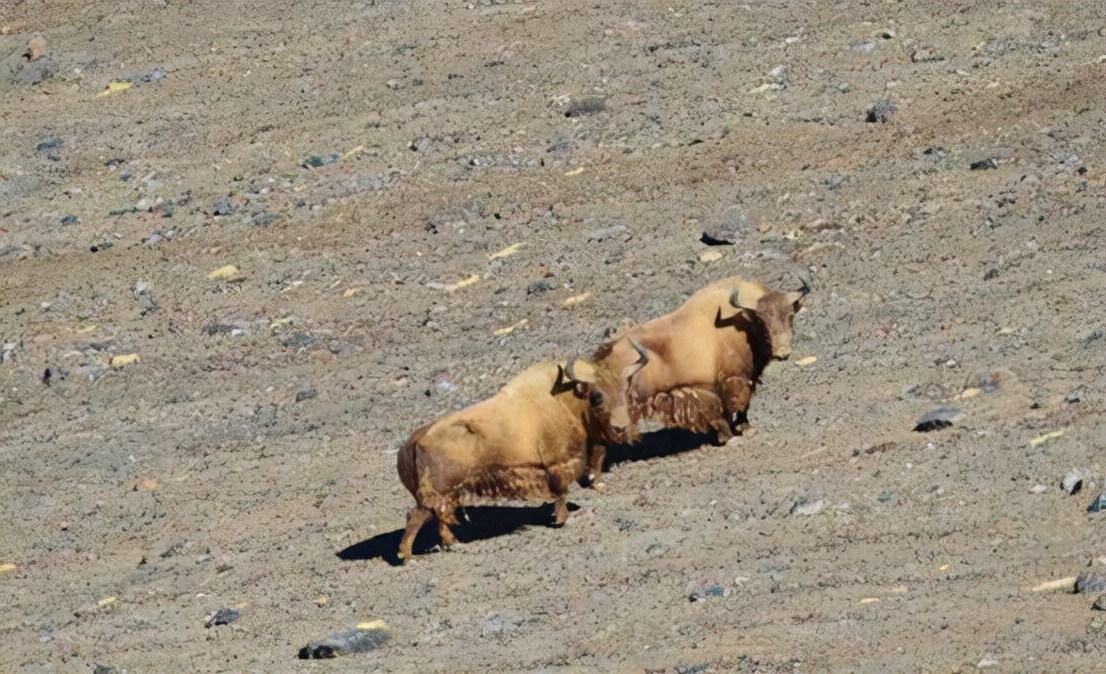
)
(705, 358)
(528, 442)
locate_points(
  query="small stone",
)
(881, 111)
(936, 419)
(368, 636)
(710, 256)
(1074, 397)
(983, 164)
(306, 394)
(223, 616)
(708, 593)
(70, 219)
(1098, 505)
(317, 160)
(299, 340)
(222, 206)
(1073, 481)
(36, 49)
(538, 287)
(924, 55)
(585, 106)
(1090, 582)
(808, 504)
(1100, 603)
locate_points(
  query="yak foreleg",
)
(597, 456)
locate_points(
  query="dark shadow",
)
(477, 523)
(664, 442)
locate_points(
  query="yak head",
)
(605, 391)
(775, 311)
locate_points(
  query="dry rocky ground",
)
(204, 442)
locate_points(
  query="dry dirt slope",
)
(254, 439)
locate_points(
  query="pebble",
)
(306, 394)
(710, 256)
(936, 419)
(36, 48)
(1073, 481)
(808, 504)
(299, 340)
(1099, 504)
(367, 637)
(317, 160)
(881, 111)
(1100, 603)
(222, 206)
(223, 616)
(708, 593)
(1090, 582)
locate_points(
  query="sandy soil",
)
(352, 160)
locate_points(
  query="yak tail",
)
(407, 461)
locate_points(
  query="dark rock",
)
(1100, 603)
(223, 616)
(1090, 582)
(606, 233)
(49, 148)
(881, 111)
(223, 206)
(983, 164)
(1073, 481)
(585, 106)
(299, 340)
(346, 642)
(1098, 505)
(263, 218)
(70, 219)
(538, 287)
(707, 593)
(937, 419)
(306, 394)
(317, 160)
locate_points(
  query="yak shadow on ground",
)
(660, 443)
(477, 523)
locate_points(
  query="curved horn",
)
(642, 360)
(568, 370)
(736, 299)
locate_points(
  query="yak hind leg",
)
(446, 518)
(558, 488)
(416, 518)
(560, 510)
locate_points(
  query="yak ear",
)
(584, 372)
(795, 299)
(741, 300)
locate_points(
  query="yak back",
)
(501, 447)
(702, 341)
